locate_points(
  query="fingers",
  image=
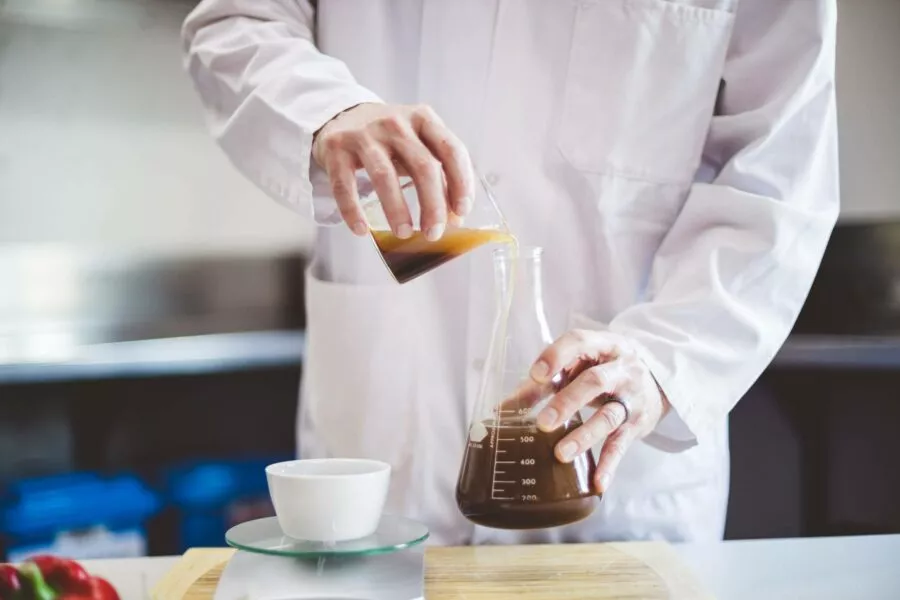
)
(387, 140)
(588, 367)
(341, 174)
(384, 179)
(604, 423)
(426, 172)
(571, 347)
(602, 380)
(454, 158)
(611, 455)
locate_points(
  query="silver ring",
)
(625, 405)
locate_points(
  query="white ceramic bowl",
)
(329, 499)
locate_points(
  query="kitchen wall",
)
(102, 142)
(101, 138)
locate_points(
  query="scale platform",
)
(272, 566)
(396, 576)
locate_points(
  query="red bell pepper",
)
(62, 574)
(34, 586)
(52, 578)
(10, 582)
(99, 589)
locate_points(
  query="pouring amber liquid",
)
(414, 256)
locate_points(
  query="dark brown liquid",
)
(511, 479)
(409, 258)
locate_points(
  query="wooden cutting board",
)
(631, 570)
(195, 576)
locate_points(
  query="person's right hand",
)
(392, 140)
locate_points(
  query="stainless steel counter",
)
(237, 351)
(840, 352)
(56, 299)
(194, 355)
(68, 314)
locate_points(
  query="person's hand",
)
(599, 369)
(389, 141)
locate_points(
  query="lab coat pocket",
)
(360, 383)
(641, 87)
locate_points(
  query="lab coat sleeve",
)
(731, 275)
(266, 89)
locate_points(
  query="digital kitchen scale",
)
(272, 566)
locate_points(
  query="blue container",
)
(211, 497)
(79, 515)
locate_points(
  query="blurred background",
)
(151, 304)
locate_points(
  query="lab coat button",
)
(492, 178)
(478, 364)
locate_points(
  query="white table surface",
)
(844, 568)
(133, 578)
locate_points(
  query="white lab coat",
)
(677, 160)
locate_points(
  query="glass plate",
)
(264, 536)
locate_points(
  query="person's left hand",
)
(600, 369)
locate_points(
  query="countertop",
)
(840, 568)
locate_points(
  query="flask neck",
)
(518, 277)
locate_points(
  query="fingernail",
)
(360, 228)
(604, 482)
(404, 231)
(435, 232)
(539, 371)
(547, 418)
(465, 205)
(568, 450)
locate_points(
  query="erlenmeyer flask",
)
(510, 477)
(409, 258)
